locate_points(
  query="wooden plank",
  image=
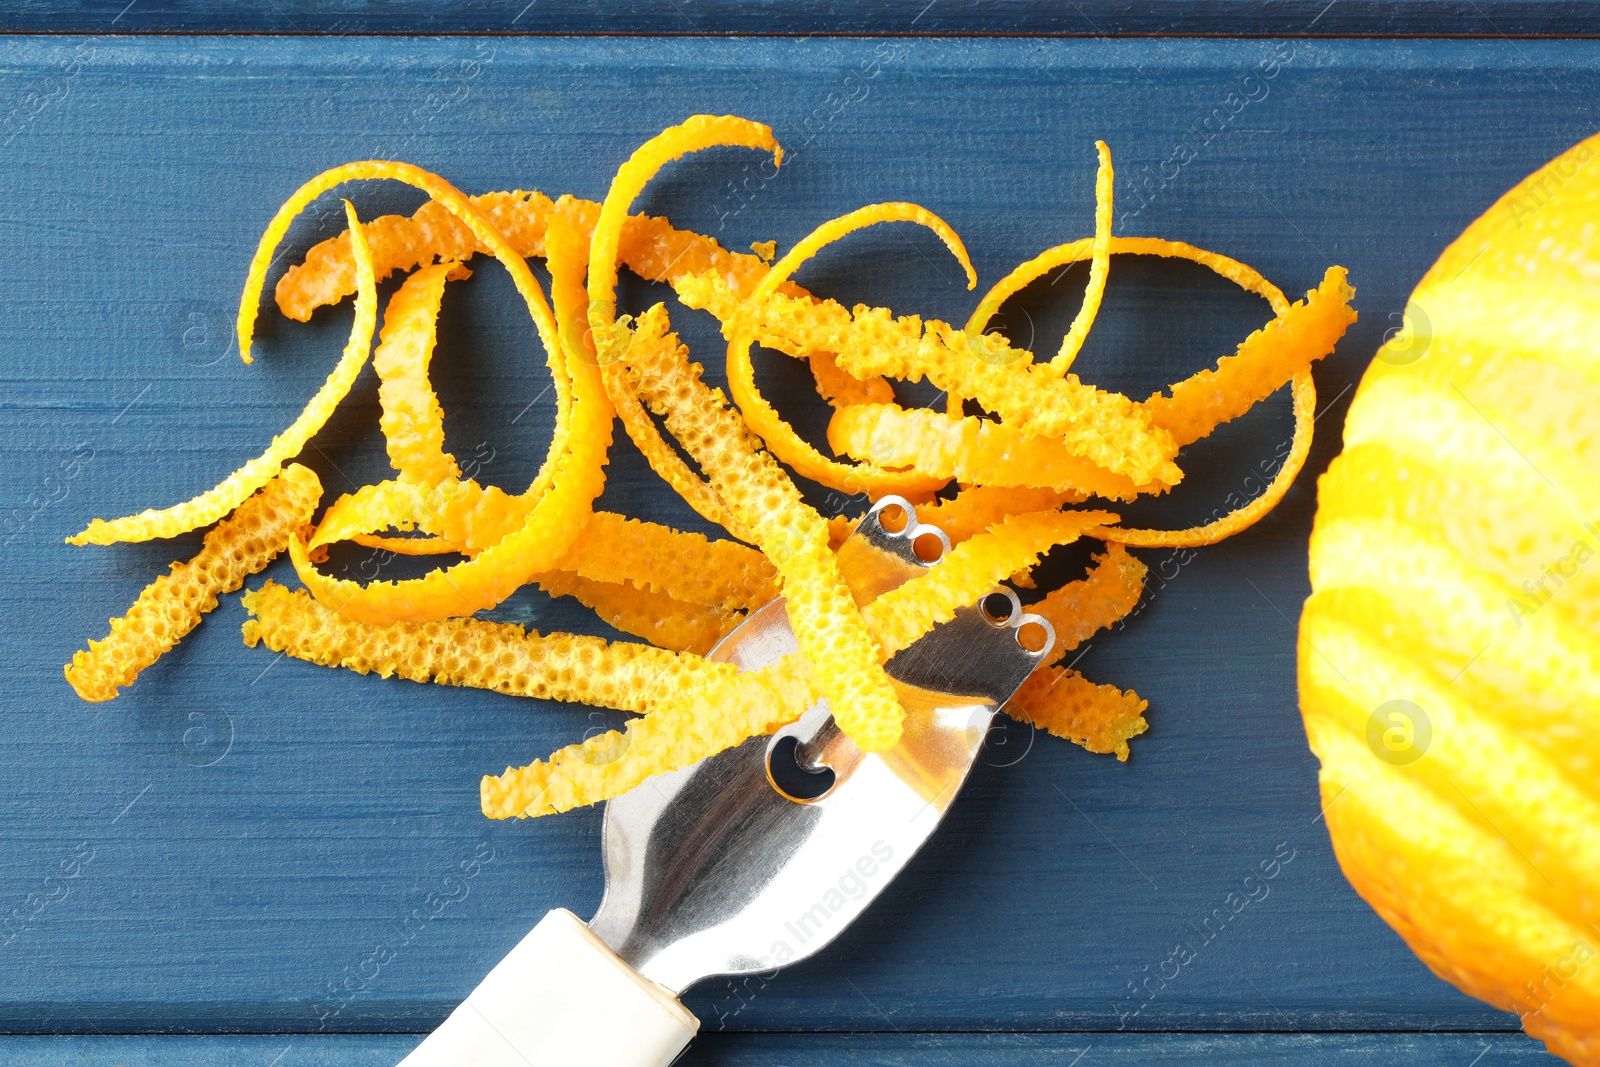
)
(846, 1050)
(1089, 18)
(260, 831)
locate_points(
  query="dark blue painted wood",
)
(1089, 18)
(256, 829)
(781, 1050)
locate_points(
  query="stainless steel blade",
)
(712, 870)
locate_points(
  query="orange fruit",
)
(1449, 655)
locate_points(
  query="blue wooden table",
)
(252, 832)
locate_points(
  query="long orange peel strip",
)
(1099, 267)
(172, 605)
(690, 706)
(765, 421)
(208, 507)
(411, 418)
(692, 135)
(758, 494)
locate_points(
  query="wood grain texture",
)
(845, 1050)
(260, 830)
(1086, 18)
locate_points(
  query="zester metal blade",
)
(712, 870)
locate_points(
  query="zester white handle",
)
(561, 998)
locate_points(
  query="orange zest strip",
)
(401, 243)
(972, 451)
(1305, 414)
(761, 417)
(691, 707)
(654, 616)
(412, 420)
(1080, 609)
(970, 570)
(1025, 274)
(685, 566)
(1265, 361)
(1107, 428)
(1099, 266)
(977, 507)
(216, 502)
(483, 655)
(692, 135)
(610, 341)
(1063, 702)
(723, 714)
(766, 504)
(174, 603)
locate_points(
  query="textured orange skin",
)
(171, 606)
(1453, 566)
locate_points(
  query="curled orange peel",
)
(765, 421)
(695, 134)
(412, 420)
(1106, 428)
(228, 494)
(971, 451)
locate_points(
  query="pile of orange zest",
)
(173, 604)
(208, 507)
(1057, 441)
(778, 435)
